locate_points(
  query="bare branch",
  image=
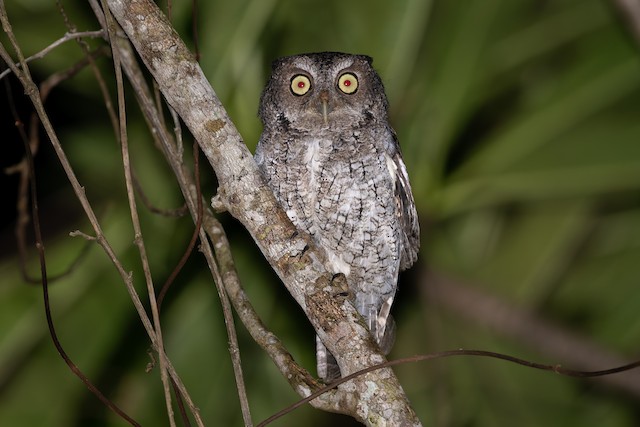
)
(67, 37)
(373, 398)
(22, 169)
(541, 335)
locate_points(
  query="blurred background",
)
(519, 123)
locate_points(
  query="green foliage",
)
(519, 124)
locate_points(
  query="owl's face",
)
(327, 90)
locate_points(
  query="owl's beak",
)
(324, 99)
(325, 107)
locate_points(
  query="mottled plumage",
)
(334, 164)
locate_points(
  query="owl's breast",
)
(341, 191)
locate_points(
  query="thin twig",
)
(84, 46)
(558, 369)
(67, 37)
(174, 213)
(22, 169)
(194, 236)
(234, 349)
(481, 308)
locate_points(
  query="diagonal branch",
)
(374, 398)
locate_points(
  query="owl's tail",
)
(328, 368)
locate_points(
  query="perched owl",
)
(333, 161)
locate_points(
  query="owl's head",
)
(327, 90)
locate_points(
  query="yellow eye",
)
(300, 85)
(348, 83)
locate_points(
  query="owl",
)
(334, 164)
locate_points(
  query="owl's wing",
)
(405, 209)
